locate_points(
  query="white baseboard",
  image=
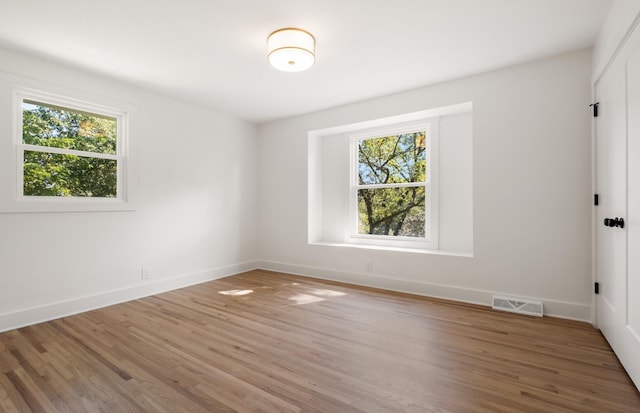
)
(560, 309)
(51, 311)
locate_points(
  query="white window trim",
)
(17, 202)
(430, 241)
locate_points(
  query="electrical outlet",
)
(146, 273)
(368, 266)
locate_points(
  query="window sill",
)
(394, 249)
(43, 205)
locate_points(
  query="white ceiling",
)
(212, 52)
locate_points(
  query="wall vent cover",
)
(517, 305)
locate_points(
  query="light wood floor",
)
(270, 342)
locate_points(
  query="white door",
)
(633, 208)
(618, 186)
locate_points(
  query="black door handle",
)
(614, 222)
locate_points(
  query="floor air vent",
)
(517, 305)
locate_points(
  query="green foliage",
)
(51, 174)
(396, 211)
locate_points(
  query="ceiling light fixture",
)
(291, 50)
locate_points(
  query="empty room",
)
(320, 206)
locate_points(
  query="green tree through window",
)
(392, 175)
(67, 152)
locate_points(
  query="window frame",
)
(123, 113)
(430, 240)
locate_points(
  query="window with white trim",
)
(337, 203)
(71, 155)
(393, 191)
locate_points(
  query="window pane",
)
(50, 174)
(392, 159)
(392, 211)
(54, 126)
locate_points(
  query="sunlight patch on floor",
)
(236, 293)
(305, 299)
(328, 293)
(315, 296)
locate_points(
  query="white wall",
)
(456, 183)
(531, 194)
(195, 219)
(617, 26)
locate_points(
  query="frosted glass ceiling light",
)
(291, 50)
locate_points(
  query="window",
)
(68, 152)
(402, 183)
(393, 189)
(71, 155)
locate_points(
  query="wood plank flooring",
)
(271, 342)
